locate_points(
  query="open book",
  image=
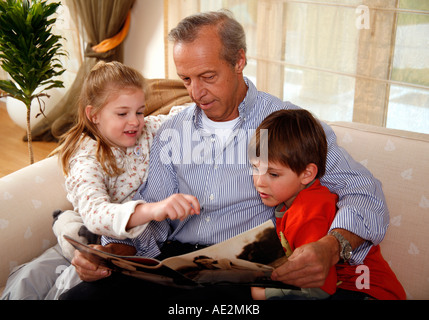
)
(248, 258)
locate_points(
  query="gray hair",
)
(231, 32)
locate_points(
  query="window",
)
(344, 60)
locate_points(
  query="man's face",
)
(214, 85)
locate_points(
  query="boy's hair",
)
(104, 81)
(231, 32)
(295, 139)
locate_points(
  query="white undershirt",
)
(222, 129)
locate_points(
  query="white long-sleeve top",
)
(105, 203)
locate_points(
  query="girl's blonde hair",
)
(105, 80)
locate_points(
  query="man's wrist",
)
(345, 252)
(333, 248)
(355, 240)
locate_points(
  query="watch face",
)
(347, 252)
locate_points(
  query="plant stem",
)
(29, 137)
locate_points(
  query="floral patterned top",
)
(105, 203)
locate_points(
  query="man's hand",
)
(309, 265)
(90, 271)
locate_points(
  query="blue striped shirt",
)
(187, 159)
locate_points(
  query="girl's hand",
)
(176, 207)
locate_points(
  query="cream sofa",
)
(399, 159)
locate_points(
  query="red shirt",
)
(308, 219)
(381, 283)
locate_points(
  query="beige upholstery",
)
(400, 160)
(27, 199)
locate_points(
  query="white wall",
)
(144, 44)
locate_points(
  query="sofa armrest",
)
(27, 199)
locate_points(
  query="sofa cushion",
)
(164, 94)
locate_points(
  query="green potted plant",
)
(29, 53)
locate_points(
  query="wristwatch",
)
(345, 247)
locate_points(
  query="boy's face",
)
(276, 183)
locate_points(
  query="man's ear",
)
(309, 173)
(88, 112)
(241, 61)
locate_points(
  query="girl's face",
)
(121, 120)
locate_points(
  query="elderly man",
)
(203, 151)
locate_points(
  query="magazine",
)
(248, 258)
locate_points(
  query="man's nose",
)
(198, 90)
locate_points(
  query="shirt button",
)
(211, 197)
(207, 219)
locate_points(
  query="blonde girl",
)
(105, 159)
